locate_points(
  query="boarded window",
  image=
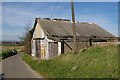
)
(53, 49)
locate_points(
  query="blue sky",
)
(17, 15)
(60, 0)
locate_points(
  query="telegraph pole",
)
(73, 24)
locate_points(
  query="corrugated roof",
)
(61, 28)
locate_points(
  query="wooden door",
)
(53, 49)
(38, 48)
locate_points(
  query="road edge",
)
(35, 72)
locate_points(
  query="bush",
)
(6, 54)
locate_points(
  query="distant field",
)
(9, 47)
(6, 48)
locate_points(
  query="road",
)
(15, 67)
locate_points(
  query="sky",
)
(59, 0)
(18, 15)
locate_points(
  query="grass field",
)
(5, 48)
(9, 47)
(95, 62)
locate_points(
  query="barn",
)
(51, 36)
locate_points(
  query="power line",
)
(28, 25)
(9, 27)
(54, 9)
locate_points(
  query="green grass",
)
(5, 54)
(6, 50)
(95, 62)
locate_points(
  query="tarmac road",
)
(15, 67)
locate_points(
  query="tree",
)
(27, 43)
(28, 36)
(27, 40)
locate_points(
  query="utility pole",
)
(73, 24)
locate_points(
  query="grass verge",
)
(95, 62)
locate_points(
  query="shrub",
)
(6, 54)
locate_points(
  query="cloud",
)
(15, 15)
(17, 18)
(24, 10)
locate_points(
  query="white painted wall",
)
(59, 48)
(39, 33)
(33, 48)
